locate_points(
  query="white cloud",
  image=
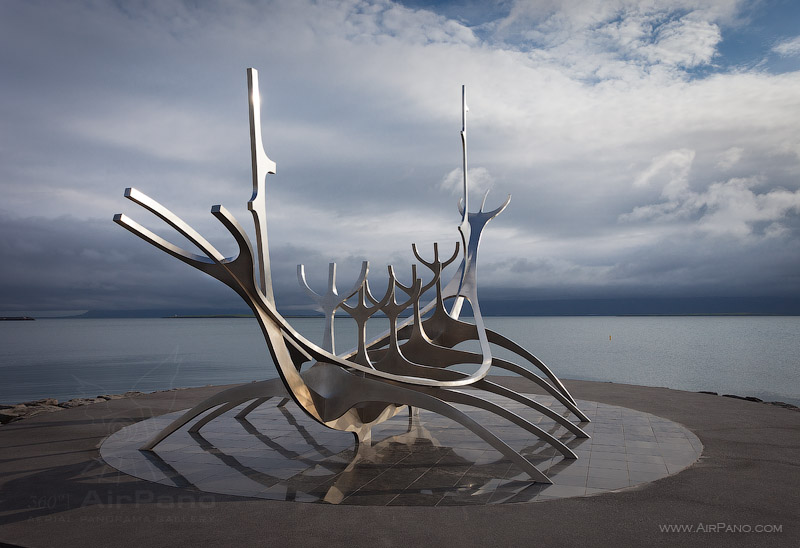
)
(670, 171)
(480, 180)
(730, 158)
(788, 48)
(685, 42)
(731, 207)
(619, 38)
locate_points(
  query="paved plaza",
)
(658, 460)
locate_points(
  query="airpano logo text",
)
(146, 497)
(719, 527)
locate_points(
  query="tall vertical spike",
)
(464, 110)
(464, 228)
(261, 166)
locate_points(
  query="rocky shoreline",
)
(19, 411)
(16, 412)
(754, 399)
(13, 413)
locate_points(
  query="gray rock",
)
(40, 409)
(11, 413)
(77, 402)
(784, 405)
(734, 396)
(22, 411)
(6, 416)
(46, 401)
(74, 402)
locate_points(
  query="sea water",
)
(66, 358)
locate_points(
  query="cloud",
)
(685, 42)
(730, 158)
(671, 170)
(726, 208)
(611, 123)
(621, 39)
(788, 48)
(480, 180)
(167, 132)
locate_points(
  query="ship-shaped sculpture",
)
(410, 366)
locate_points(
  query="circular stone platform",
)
(279, 453)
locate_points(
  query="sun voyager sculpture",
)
(410, 366)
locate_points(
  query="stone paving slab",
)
(55, 489)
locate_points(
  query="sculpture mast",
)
(464, 110)
(261, 166)
(464, 227)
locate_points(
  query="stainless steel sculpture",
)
(409, 365)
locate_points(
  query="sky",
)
(652, 149)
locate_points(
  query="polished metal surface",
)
(330, 301)
(407, 366)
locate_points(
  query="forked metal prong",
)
(174, 221)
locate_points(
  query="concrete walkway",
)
(55, 490)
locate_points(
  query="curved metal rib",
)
(437, 372)
(508, 344)
(155, 240)
(531, 376)
(174, 221)
(455, 396)
(500, 390)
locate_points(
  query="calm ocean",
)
(66, 358)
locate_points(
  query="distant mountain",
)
(163, 313)
(644, 306)
(566, 307)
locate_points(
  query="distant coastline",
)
(226, 316)
(689, 314)
(206, 316)
(162, 315)
(497, 306)
(642, 315)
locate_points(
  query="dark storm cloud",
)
(67, 263)
(72, 264)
